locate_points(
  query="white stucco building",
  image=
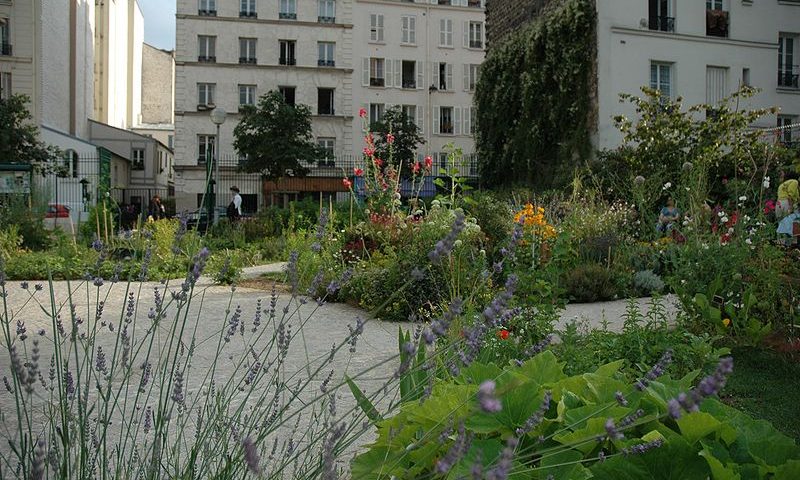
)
(336, 56)
(158, 95)
(424, 56)
(701, 51)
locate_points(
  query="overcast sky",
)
(159, 23)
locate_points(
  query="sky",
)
(159, 23)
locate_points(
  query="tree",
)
(275, 138)
(406, 139)
(19, 137)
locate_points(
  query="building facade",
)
(700, 51)
(158, 95)
(336, 56)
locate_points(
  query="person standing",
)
(157, 210)
(235, 207)
(788, 195)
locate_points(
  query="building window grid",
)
(327, 54)
(288, 94)
(446, 120)
(375, 112)
(445, 75)
(288, 10)
(376, 27)
(206, 48)
(473, 71)
(409, 30)
(326, 11)
(410, 112)
(325, 101)
(247, 50)
(5, 85)
(788, 70)
(5, 37)
(786, 133)
(137, 159)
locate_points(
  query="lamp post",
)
(218, 117)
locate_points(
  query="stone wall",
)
(505, 16)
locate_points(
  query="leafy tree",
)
(406, 138)
(19, 136)
(275, 138)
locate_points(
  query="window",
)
(446, 120)
(247, 8)
(247, 50)
(471, 72)
(137, 159)
(410, 111)
(327, 11)
(661, 78)
(288, 10)
(287, 52)
(409, 30)
(445, 32)
(788, 70)
(786, 133)
(205, 94)
(660, 16)
(325, 101)
(714, 4)
(376, 72)
(5, 85)
(327, 51)
(475, 35)
(444, 74)
(409, 74)
(171, 141)
(5, 37)
(746, 77)
(716, 19)
(206, 48)
(716, 88)
(375, 112)
(205, 147)
(207, 7)
(288, 94)
(247, 94)
(376, 27)
(328, 146)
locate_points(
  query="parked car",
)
(57, 210)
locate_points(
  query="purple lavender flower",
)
(177, 388)
(97, 245)
(457, 450)
(503, 467)
(355, 333)
(39, 454)
(329, 451)
(535, 349)
(656, 371)
(445, 246)
(98, 281)
(611, 430)
(642, 448)
(291, 271)
(100, 361)
(621, 400)
(148, 419)
(709, 386)
(69, 383)
(233, 323)
(8, 384)
(629, 420)
(487, 400)
(538, 416)
(251, 458)
(440, 326)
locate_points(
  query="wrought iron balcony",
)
(207, 13)
(376, 82)
(789, 78)
(326, 19)
(475, 44)
(287, 16)
(5, 49)
(247, 60)
(410, 84)
(287, 61)
(326, 63)
(244, 14)
(662, 24)
(206, 59)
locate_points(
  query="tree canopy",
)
(275, 138)
(19, 136)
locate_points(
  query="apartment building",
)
(158, 95)
(336, 56)
(425, 57)
(701, 51)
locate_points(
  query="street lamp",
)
(218, 117)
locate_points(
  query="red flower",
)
(378, 162)
(358, 172)
(368, 151)
(347, 183)
(390, 139)
(428, 162)
(417, 167)
(769, 206)
(502, 334)
(362, 112)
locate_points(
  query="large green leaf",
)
(675, 460)
(789, 471)
(487, 451)
(564, 464)
(520, 401)
(718, 470)
(697, 425)
(543, 369)
(583, 439)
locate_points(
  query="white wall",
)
(625, 50)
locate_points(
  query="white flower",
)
(748, 241)
(482, 252)
(765, 183)
(723, 219)
(457, 243)
(666, 186)
(746, 218)
(721, 214)
(743, 198)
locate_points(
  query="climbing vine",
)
(534, 98)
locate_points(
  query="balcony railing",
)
(662, 24)
(5, 49)
(326, 63)
(409, 84)
(287, 61)
(475, 44)
(326, 19)
(207, 13)
(247, 60)
(717, 22)
(206, 59)
(287, 16)
(789, 78)
(376, 82)
(244, 14)
(326, 111)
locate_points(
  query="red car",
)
(56, 210)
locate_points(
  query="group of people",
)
(157, 211)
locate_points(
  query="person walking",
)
(234, 211)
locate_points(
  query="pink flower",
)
(428, 162)
(389, 138)
(347, 183)
(358, 172)
(378, 162)
(417, 167)
(362, 113)
(368, 151)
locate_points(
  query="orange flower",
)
(502, 334)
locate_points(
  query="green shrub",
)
(647, 283)
(10, 241)
(591, 282)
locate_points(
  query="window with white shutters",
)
(716, 85)
(376, 27)
(471, 72)
(445, 32)
(376, 72)
(444, 76)
(410, 112)
(409, 30)
(446, 117)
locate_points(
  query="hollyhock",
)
(428, 162)
(390, 139)
(362, 113)
(358, 172)
(417, 167)
(347, 183)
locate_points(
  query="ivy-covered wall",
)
(535, 98)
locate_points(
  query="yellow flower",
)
(726, 322)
